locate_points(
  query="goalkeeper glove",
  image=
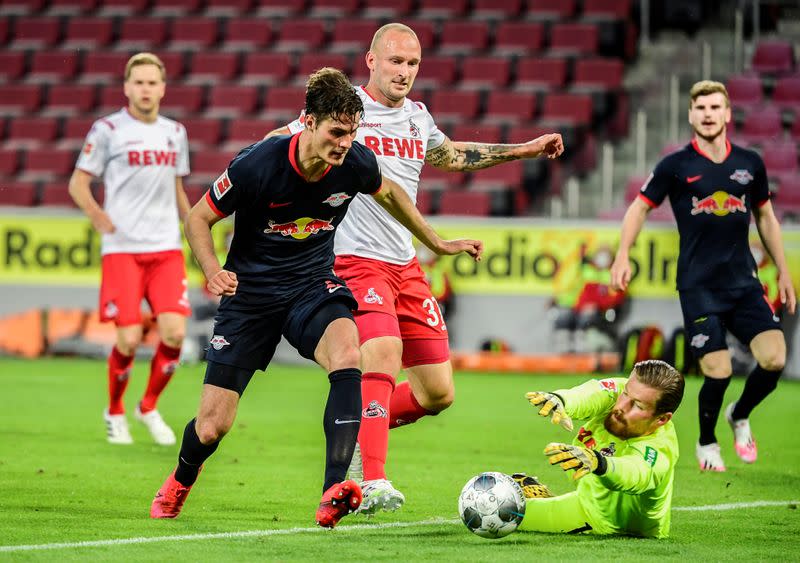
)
(582, 460)
(552, 406)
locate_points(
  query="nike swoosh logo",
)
(331, 290)
(337, 421)
(273, 205)
(693, 179)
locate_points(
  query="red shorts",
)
(159, 277)
(396, 301)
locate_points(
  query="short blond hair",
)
(390, 27)
(706, 87)
(140, 59)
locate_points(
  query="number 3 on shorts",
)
(434, 312)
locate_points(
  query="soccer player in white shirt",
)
(141, 157)
(399, 321)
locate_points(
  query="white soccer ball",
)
(491, 505)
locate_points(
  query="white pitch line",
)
(353, 528)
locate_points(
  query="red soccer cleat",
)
(169, 499)
(337, 502)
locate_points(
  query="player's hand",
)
(550, 145)
(472, 247)
(223, 283)
(620, 273)
(787, 293)
(101, 221)
(582, 460)
(552, 406)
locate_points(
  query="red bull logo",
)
(300, 228)
(719, 203)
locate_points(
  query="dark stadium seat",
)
(436, 71)
(541, 73)
(518, 38)
(795, 130)
(12, 65)
(122, 7)
(174, 7)
(496, 10)
(773, 57)
(227, 8)
(311, 62)
(56, 194)
(610, 9)
(211, 67)
(550, 10)
(761, 125)
(476, 132)
(47, 164)
(74, 133)
(142, 33)
(745, 92)
(279, 8)
(104, 66)
(441, 9)
(571, 109)
(284, 103)
(31, 132)
(21, 7)
(173, 63)
(202, 133)
(786, 94)
(35, 33)
(463, 37)
(4, 25)
(332, 8)
(16, 99)
(425, 30)
(247, 34)
(21, 194)
(88, 33)
(53, 66)
(300, 35)
(598, 74)
(485, 72)
(574, 39)
(232, 101)
(266, 68)
(386, 8)
(9, 162)
(244, 132)
(452, 106)
(182, 99)
(193, 33)
(353, 36)
(504, 106)
(460, 202)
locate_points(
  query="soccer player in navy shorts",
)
(713, 187)
(289, 194)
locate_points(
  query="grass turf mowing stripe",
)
(353, 528)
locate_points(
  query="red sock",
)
(161, 369)
(373, 436)
(404, 408)
(119, 371)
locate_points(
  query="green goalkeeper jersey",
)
(634, 495)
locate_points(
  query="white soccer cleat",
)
(709, 458)
(161, 433)
(356, 470)
(380, 494)
(117, 431)
(743, 440)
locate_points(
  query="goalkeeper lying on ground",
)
(623, 456)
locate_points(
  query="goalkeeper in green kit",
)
(623, 456)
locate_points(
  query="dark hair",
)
(661, 375)
(329, 94)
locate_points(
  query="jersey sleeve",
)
(298, 124)
(235, 188)
(182, 165)
(435, 135)
(94, 154)
(594, 397)
(760, 183)
(640, 471)
(656, 187)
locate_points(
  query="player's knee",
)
(174, 338)
(345, 356)
(383, 359)
(128, 343)
(774, 361)
(211, 431)
(438, 400)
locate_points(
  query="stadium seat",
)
(21, 7)
(9, 163)
(195, 192)
(504, 106)
(173, 8)
(789, 190)
(173, 64)
(780, 158)
(70, 7)
(506, 176)
(425, 202)
(88, 33)
(436, 71)
(761, 125)
(142, 34)
(786, 94)
(266, 68)
(232, 101)
(208, 165)
(202, 133)
(476, 132)
(284, 103)
(212, 67)
(227, 8)
(496, 10)
(353, 36)
(35, 33)
(332, 8)
(16, 99)
(103, 66)
(773, 57)
(606, 9)
(518, 38)
(193, 33)
(463, 37)
(112, 98)
(571, 109)
(745, 92)
(441, 9)
(550, 10)
(20, 194)
(12, 65)
(31, 132)
(386, 8)
(598, 74)
(47, 164)
(452, 106)
(53, 66)
(633, 187)
(300, 35)
(247, 34)
(75, 131)
(244, 132)
(435, 179)
(311, 62)
(182, 99)
(525, 133)
(541, 74)
(279, 8)
(574, 39)
(122, 7)
(461, 202)
(4, 25)
(485, 72)
(56, 194)
(425, 30)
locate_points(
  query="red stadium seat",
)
(780, 158)
(182, 99)
(104, 66)
(195, 193)
(9, 162)
(454, 105)
(193, 33)
(20, 194)
(425, 202)
(279, 8)
(232, 101)
(485, 72)
(4, 25)
(142, 33)
(598, 74)
(574, 38)
(425, 30)
(506, 176)
(301, 35)
(518, 38)
(633, 187)
(461, 37)
(527, 133)
(12, 65)
(75, 131)
(53, 66)
(247, 34)
(88, 33)
(332, 8)
(571, 109)
(436, 71)
(441, 9)
(48, 164)
(173, 64)
(761, 126)
(504, 106)
(212, 67)
(386, 8)
(745, 92)
(773, 57)
(122, 7)
(208, 165)
(550, 10)
(353, 36)
(31, 132)
(787, 94)
(433, 179)
(56, 194)
(202, 133)
(475, 132)
(607, 9)
(16, 99)
(174, 7)
(36, 33)
(541, 74)
(496, 9)
(266, 68)
(21, 7)
(465, 203)
(284, 103)
(244, 132)
(227, 8)
(112, 98)
(311, 62)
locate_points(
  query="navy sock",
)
(341, 421)
(192, 455)
(759, 384)
(709, 403)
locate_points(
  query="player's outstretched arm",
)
(279, 131)
(182, 199)
(582, 460)
(770, 232)
(457, 156)
(198, 232)
(631, 226)
(550, 405)
(395, 200)
(80, 189)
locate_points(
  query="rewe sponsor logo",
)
(152, 158)
(393, 146)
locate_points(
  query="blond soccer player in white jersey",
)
(141, 157)
(399, 321)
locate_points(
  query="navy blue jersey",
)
(284, 225)
(712, 204)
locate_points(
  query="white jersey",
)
(138, 162)
(400, 138)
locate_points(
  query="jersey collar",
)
(696, 147)
(293, 157)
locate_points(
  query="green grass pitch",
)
(60, 482)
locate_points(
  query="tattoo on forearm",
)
(469, 156)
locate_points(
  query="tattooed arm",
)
(456, 156)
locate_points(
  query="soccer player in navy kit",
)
(713, 187)
(289, 194)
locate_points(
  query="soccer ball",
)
(491, 505)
